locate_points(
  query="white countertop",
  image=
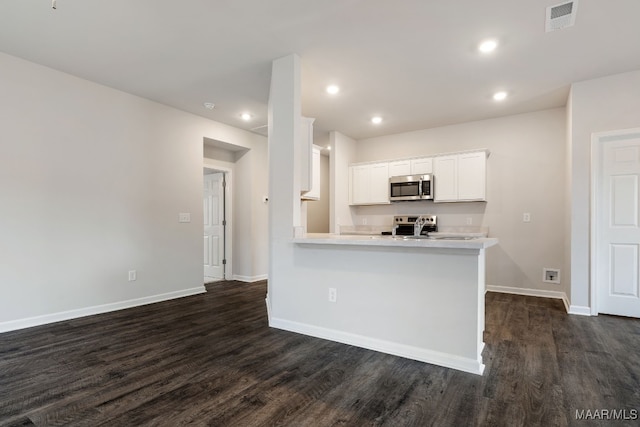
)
(440, 241)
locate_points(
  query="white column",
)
(284, 177)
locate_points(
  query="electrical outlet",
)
(469, 221)
(526, 217)
(133, 275)
(333, 295)
(551, 275)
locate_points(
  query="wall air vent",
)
(561, 16)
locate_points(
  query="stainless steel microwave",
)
(411, 187)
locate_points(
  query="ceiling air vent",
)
(561, 16)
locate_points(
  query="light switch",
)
(184, 217)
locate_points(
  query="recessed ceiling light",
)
(376, 120)
(333, 89)
(245, 116)
(209, 105)
(500, 96)
(488, 46)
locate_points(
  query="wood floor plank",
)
(211, 359)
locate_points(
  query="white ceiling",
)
(414, 62)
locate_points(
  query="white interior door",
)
(213, 204)
(617, 227)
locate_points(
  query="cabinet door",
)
(422, 166)
(306, 157)
(360, 191)
(314, 193)
(399, 168)
(379, 183)
(472, 176)
(445, 170)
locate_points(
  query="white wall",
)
(343, 152)
(605, 104)
(259, 240)
(220, 154)
(249, 218)
(250, 247)
(92, 181)
(566, 277)
(525, 173)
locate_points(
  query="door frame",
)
(228, 212)
(597, 139)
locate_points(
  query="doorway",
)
(616, 223)
(215, 225)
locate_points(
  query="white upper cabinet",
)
(460, 177)
(380, 183)
(360, 177)
(306, 153)
(369, 184)
(422, 166)
(314, 192)
(399, 168)
(445, 170)
(411, 167)
(472, 176)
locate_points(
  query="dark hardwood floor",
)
(211, 359)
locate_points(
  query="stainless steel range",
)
(405, 225)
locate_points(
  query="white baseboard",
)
(268, 303)
(249, 279)
(13, 325)
(416, 353)
(531, 293)
(580, 310)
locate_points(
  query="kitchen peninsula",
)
(418, 298)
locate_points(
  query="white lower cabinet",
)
(460, 177)
(369, 184)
